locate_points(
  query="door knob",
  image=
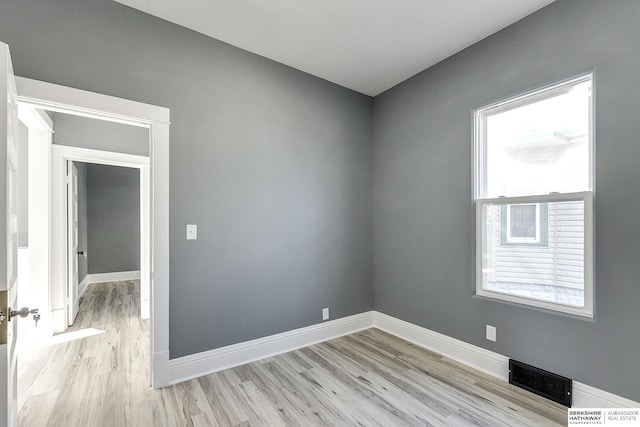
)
(23, 312)
(83, 253)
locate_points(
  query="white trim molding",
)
(63, 99)
(82, 286)
(196, 365)
(118, 276)
(205, 363)
(495, 364)
(585, 396)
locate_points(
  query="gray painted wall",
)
(23, 185)
(274, 166)
(82, 220)
(424, 229)
(96, 134)
(113, 218)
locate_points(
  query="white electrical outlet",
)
(491, 333)
(325, 313)
(192, 232)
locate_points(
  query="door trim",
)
(71, 188)
(88, 104)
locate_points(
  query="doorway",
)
(108, 229)
(103, 198)
(56, 98)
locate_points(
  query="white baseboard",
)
(82, 286)
(117, 276)
(585, 396)
(58, 320)
(160, 370)
(483, 360)
(196, 365)
(495, 364)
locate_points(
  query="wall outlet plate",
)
(325, 313)
(491, 333)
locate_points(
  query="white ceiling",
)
(366, 45)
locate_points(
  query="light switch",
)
(192, 232)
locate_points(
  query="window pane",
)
(552, 272)
(540, 147)
(522, 221)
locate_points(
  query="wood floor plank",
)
(37, 409)
(99, 377)
(287, 404)
(224, 412)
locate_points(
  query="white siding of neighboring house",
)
(560, 263)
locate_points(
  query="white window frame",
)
(587, 197)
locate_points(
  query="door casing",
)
(67, 100)
(72, 242)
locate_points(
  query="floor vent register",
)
(546, 384)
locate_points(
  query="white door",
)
(72, 239)
(9, 227)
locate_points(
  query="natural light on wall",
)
(534, 198)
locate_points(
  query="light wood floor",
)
(365, 379)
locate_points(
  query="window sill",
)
(538, 305)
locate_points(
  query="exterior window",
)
(534, 198)
(524, 224)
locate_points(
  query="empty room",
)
(350, 213)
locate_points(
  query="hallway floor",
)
(96, 373)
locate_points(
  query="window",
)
(534, 198)
(524, 224)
